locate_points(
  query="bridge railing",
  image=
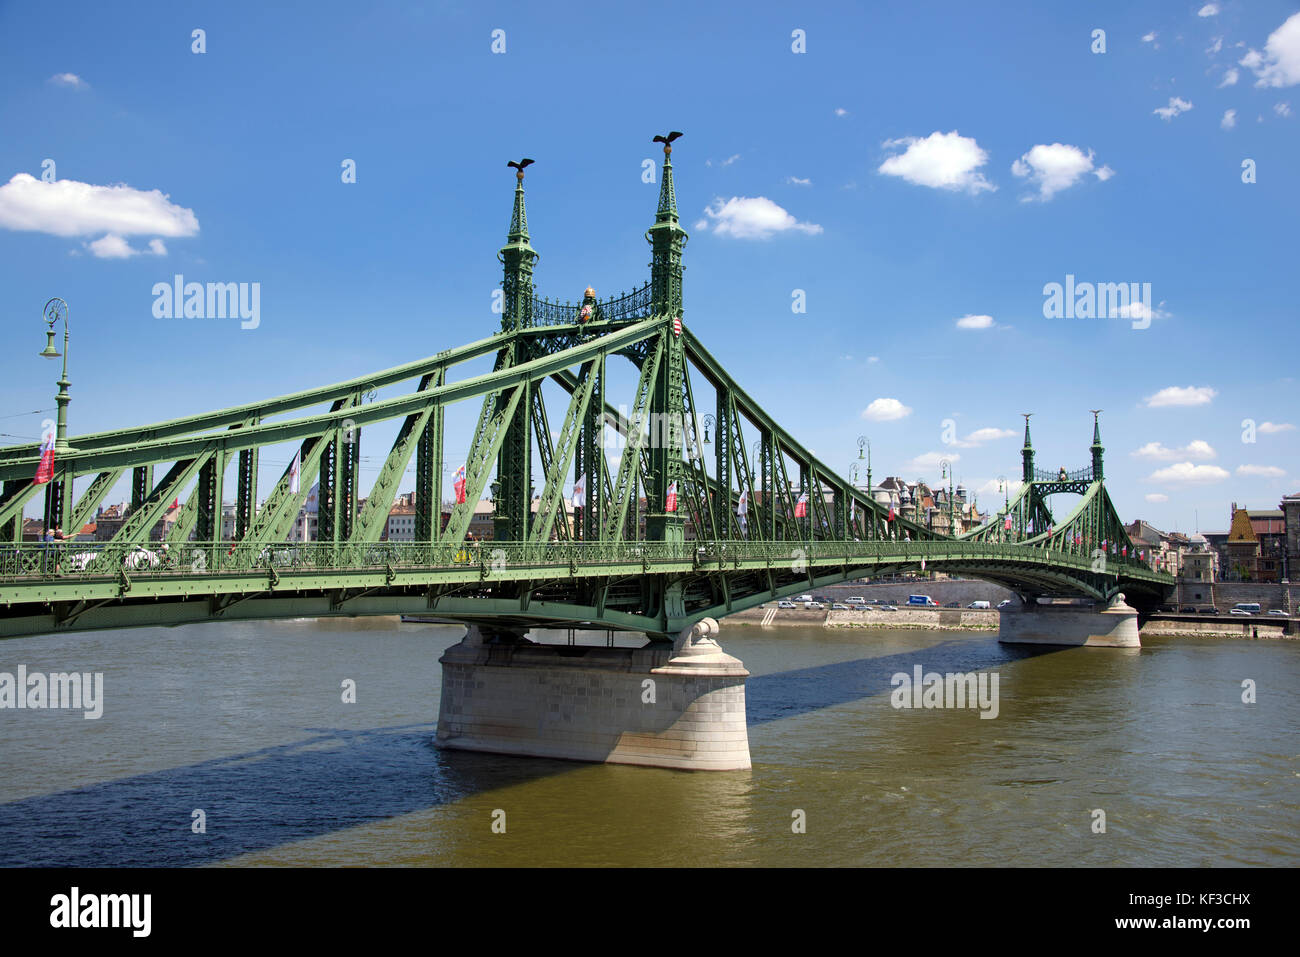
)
(100, 560)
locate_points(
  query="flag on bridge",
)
(295, 473)
(1006, 526)
(670, 501)
(801, 506)
(742, 510)
(45, 470)
(459, 485)
(890, 516)
(580, 491)
(1049, 531)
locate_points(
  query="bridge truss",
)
(731, 520)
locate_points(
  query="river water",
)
(246, 723)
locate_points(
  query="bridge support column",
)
(1104, 626)
(679, 706)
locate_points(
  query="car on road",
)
(1242, 612)
(978, 604)
(1278, 612)
(886, 608)
(840, 606)
(813, 605)
(786, 604)
(1187, 610)
(1212, 610)
(1004, 603)
(953, 604)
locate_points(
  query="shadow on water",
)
(787, 694)
(334, 779)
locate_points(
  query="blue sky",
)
(917, 165)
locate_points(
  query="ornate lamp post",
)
(864, 442)
(58, 495)
(55, 310)
(1006, 503)
(709, 423)
(946, 473)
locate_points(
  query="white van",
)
(1245, 608)
(856, 600)
(978, 604)
(804, 598)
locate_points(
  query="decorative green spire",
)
(1027, 453)
(666, 238)
(518, 257)
(1097, 448)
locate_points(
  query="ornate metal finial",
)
(518, 258)
(666, 238)
(1098, 470)
(667, 141)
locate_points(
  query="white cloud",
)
(756, 217)
(932, 460)
(1268, 428)
(1181, 395)
(1056, 167)
(1260, 471)
(69, 208)
(1229, 119)
(975, 322)
(1215, 46)
(796, 181)
(1209, 10)
(70, 80)
(1230, 78)
(1138, 310)
(877, 359)
(1196, 449)
(1185, 473)
(157, 247)
(841, 111)
(1282, 109)
(1176, 105)
(1149, 37)
(886, 410)
(1156, 497)
(980, 436)
(730, 159)
(111, 247)
(941, 161)
(1279, 64)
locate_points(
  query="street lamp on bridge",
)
(56, 310)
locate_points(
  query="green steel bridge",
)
(749, 539)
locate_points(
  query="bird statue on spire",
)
(667, 141)
(519, 167)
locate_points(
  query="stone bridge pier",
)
(1113, 625)
(669, 706)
